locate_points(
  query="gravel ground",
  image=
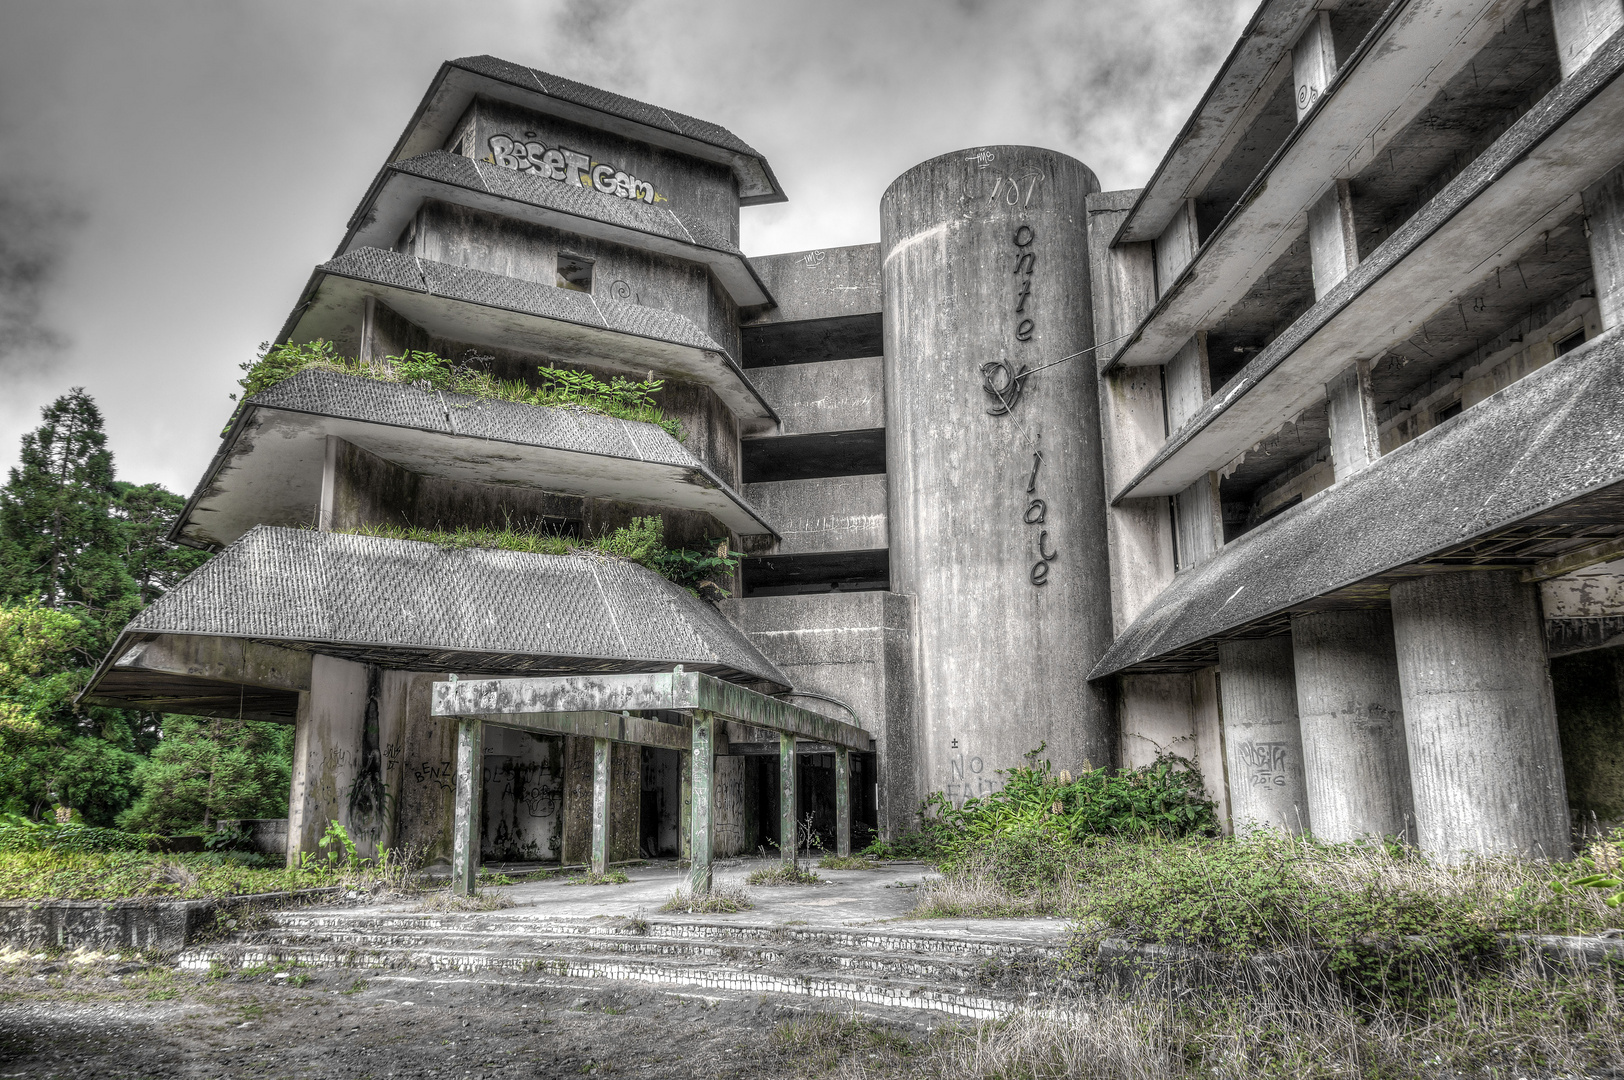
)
(104, 1018)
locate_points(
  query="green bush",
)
(18, 834)
(554, 387)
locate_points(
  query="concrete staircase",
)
(941, 968)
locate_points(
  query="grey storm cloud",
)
(175, 169)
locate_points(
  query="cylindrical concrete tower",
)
(993, 461)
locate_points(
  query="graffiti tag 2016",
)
(1268, 764)
(570, 167)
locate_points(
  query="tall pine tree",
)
(62, 544)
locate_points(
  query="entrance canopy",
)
(603, 707)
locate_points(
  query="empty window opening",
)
(574, 273)
(1448, 412)
(1571, 342)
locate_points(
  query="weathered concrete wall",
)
(1157, 715)
(625, 801)
(1262, 735)
(984, 262)
(1589, 690)
(326, 752)
(1479, 716)
(857, 647)
(1355, 759)
(822, 284)
(426, 791)
(523, 818)
(734, 810)
(833, 513)
(831, 395)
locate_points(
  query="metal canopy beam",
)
(498, 700)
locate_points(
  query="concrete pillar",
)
(329, 732)
(1604, 221)
(1351, 403)
(1582, 27)
(327, 508)
(985, 275)
(786, 798)
(602, 771)
(1313, 62)
(842, 801)
(1333, 244)
(1198, 521)
(703, 800)
(1209, 741)
(685, 809)
(470, 798)
(1262, 735)
(1189, 382)
(1485, 761)
(1176, 247)
(1355, 763)
(1132, 417)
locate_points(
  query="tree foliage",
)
(80, 553)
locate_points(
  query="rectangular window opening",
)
(1571, 342)
(574, 273)
(1448, 412)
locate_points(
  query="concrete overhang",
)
(417, 607)
(500, 312)
(1253, 70)
(268, 469)
(1526, 479)
(1387, 81)
(1499, 206)
(458, 82)
(401, 188)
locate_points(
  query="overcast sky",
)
(171, 170)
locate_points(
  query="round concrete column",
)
(1356, 768)
(1261, 734)
(997, 502)
(1485, 761)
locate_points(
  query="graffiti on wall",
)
(1266, 764)
(968, 777)
(1037, 515)
(570, 167)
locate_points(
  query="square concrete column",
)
(685, 811)
(842, 801)
(1262, 735)
(786, 798)
(1333, 248)
(466, 812)
(1480, 717)
(1313, 62)
(1355, 762)
(1351, 405)
(602, 772)
(1582, 27)
(328, 744)
(703, 800)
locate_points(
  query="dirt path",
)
(83, 1021)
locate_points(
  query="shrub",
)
(783, 874)
(554, 387)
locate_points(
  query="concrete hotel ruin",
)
(1302, 462)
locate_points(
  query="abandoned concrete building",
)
(1303, 463)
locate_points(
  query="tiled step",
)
(960, 999)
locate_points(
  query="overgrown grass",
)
(552, 388)
(608, 877)
(446, 900)
(642, 542)
(784, 873)
(847, 862)
(721, 900)
(75, 875)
